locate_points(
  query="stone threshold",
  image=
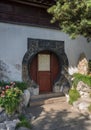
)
(46, 99)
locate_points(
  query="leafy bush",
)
(89, 64)
(79, 77)
(2, 83)
(89, 108)
(23, 122)
(90, 94)
(10, 97)
(21, 85)
(74, 95)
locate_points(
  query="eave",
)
(38, 3)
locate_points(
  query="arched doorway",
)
(49, 72)
(44, 69)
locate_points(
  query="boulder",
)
(24, 101)
(23, 128)
(84, 101)
(83, 89)
(3, 116)
(81, 86)
(1, 110)
(26, 97)
(82, 64)
(83, 106)
(3, 126)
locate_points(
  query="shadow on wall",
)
(9, 72)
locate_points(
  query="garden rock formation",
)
(85, 98)
(9, 122)
(82, 64)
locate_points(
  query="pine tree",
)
(73, 16)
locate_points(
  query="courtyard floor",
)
(59, 116)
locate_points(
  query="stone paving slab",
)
(59, 116)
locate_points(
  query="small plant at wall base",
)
(74, 95)
(89, 108)
(21, 85)
(23, 122)
(10, 98)
(79, 77)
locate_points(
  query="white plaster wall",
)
(13, 44)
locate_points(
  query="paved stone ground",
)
(59, 116)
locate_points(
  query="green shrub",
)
(90, 94)
(10, 95)
(10, 99)
(21, 85)
(23, 122)
(74, 95)
(2, 83)
(89, 108)
(79, 77)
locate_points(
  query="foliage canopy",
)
(74, 17)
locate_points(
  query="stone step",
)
(49, 100)
(44, 96)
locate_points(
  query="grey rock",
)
(83, 105)
(26, 97)
(1, 109)
(3, 116)
(81, 86)
(83, 64)
(3, 126)
(23, 128)
(16, 121)
(10, 125)
(90, 116)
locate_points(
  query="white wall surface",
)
(13, 44)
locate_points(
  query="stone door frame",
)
(35, 46)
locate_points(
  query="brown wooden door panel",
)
(44, 81)
(44, 78)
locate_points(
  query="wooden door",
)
(44, 73)
(44, 70)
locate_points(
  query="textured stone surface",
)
(23, 128)
(26, 97)
(83, 105)
(85, 100)
(9, 125)
(3, 116)
(83, 89)
(3, 126)
(83, 64)
(1, 109)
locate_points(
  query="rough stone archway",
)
(37, 45)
